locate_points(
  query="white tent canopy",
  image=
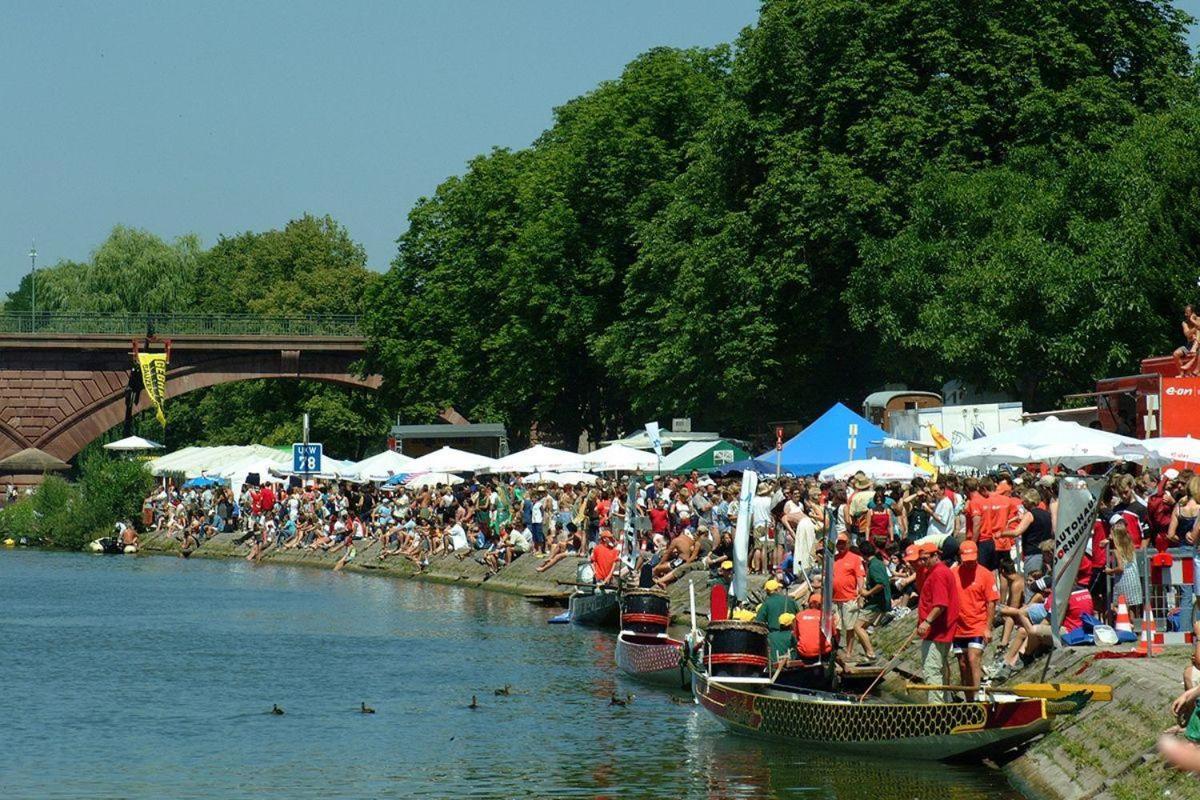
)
(331, 469)
(238, 472)
(449, 459)
(877, 469)
(195, 461)
(1050, 441)
(1163, 450)
(538, 458)
(132, 443)
(619, 458)
(382, 466)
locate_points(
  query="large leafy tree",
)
(837, 110)
(508, 277)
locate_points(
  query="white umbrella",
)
(429, 480)
(618, 457)
(382, 466)
(1163, 449)
(538, 458)
(576, 477)
(449, 459)
(132, 443)
(877, 469)
(541, 477)
(1050, 441)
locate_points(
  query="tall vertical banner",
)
(1078, 503)
(154, 380)
(830, 534)
(629, 541)
(741, 535)
(654, 434)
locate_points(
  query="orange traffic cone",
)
(1146, 645)
(1123, 621)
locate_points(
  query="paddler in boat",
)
(781, 640)
(775, 604)
(604, 557)
(811, 643)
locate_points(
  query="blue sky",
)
(220, 117)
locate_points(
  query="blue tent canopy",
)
(826, 442)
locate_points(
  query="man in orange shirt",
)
(977, 598)
(604, 557)
(989, 513)
(849, 575)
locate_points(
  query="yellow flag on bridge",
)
(154, 379)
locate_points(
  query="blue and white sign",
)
(306, 457)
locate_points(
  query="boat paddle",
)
(890, 665)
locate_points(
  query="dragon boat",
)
(644, 649)
(729, 676)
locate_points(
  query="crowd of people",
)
(970, 556)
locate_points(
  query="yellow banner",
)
(939, 438)
(923, 463)
(154, 379)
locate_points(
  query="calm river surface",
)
(152, 677)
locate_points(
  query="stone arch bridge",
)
(64, 377)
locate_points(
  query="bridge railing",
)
(134, 325)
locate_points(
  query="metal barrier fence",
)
(348, 325)
(1171, 595)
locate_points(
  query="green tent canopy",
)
(703, 456)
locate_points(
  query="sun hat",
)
(861, 481)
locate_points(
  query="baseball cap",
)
(912, 553)
(814, 600)
(726, 564)
(927, 548)
(771, 585)
(786, 619)
(968, 551)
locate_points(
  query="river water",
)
(153, 677)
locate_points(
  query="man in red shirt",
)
(937, 618)
(604, 557)
(977, 598)
(849, 575)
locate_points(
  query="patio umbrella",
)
(132, 444)
(619, 458)
(538, 458)
(877, 469)
(1163, 450)
(449, 459)
(1049, 441)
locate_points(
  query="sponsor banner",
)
(1180, 404)
(1078, 502)
(154, 380)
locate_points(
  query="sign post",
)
(778, 451)
(306, 456)
(852, 442)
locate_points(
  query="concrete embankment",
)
(1104, 753)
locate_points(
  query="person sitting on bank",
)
(682, 551)
(1030, 642)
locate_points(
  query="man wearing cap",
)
(776, 602)
(849, 575)
(604, 557)
(811, 642)
(977, 597)
(718, 596)
(781, 640)
(937, 618)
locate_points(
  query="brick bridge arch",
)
(59, 392)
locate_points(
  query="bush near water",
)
(69, 515)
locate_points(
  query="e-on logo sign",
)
(1180, 391)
